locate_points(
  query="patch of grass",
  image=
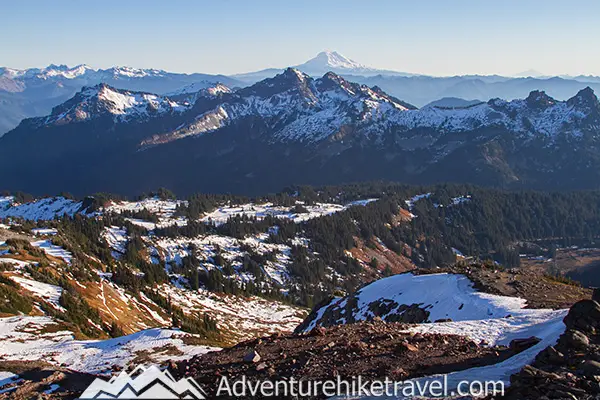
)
(5, 280)
(562, 279)
(12, 302)
(192, 340)
(22, 245)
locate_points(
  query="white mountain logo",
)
(144, 383)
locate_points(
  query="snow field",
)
(23, 338)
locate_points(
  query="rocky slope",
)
(373, 350)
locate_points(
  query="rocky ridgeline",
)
(571, 368)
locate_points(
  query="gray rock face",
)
(551, 356)
(575, 339)
(584, 316)
(591, 367)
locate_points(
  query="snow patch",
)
(260, 211)
(53, 250)
(49, 293)
(44, 231)
(42, 209)
(23, 338)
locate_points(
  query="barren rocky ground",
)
(43, 381)
(374, 350)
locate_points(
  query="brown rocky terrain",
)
(374, 350)
(42, 381)
(384, 257)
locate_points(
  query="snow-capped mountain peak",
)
(327, 61)
(203, 89)
(129, 72)
(333, 59)
(210, 88)
(218, 88)
(51, 71)
(290, 80)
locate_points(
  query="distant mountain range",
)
(295, 129)
(33, 92)
(421, 89)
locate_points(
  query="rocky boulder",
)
(584, 316)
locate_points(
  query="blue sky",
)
(229, 36)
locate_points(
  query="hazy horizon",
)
(431, 38)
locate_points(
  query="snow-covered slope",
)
(259, 211)
(24, 338)
(206, 247)
(546, 326)
(237, 318)
(122, 105)
(486, 318)
(49, 293)
(205, 87)
(42, 209)
(161, 208)
(53, 250)
(440, 296)
(240, 318)
(297, 107)
(300, 108)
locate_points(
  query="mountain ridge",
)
(321, 131)
(33, 92)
